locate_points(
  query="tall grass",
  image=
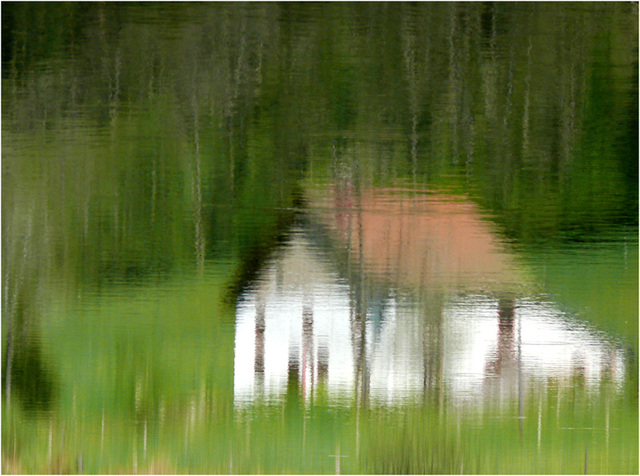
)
(593, 435)
(144, 384)
(596, 435)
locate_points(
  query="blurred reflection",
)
(439, 312)
(294, 320)
(418, 238)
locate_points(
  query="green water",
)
(320, 238)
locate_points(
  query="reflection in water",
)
(154, 155)
(418, 238)
(302, 320)
(297, 316)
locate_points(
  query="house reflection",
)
(295, 322)
(343, 331)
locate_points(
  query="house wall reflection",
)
(302, 320)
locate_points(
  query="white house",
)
(301, 320)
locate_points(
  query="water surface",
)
(320, 238)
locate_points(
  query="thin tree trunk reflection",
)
(199, 242)
(259, 345)
(307, 348)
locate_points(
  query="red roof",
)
(418, 239)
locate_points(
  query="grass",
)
(144, 384)
(556, 438)
(559, 436)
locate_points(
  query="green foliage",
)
(134, 136)
(556, 438)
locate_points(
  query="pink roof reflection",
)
(418, 239)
